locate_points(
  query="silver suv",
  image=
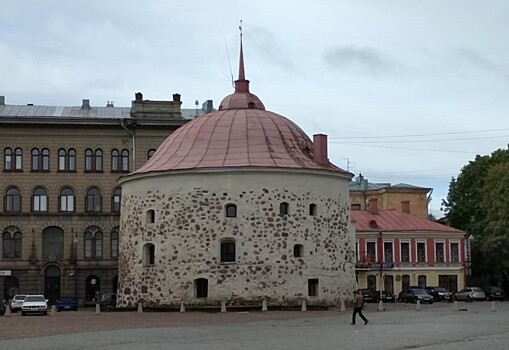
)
(17, 302)
(469, 294)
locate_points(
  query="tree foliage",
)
(478, 203)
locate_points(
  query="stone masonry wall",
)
(190, 222)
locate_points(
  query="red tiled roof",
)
(395, 221)
(236, 138)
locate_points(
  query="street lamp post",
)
(380, 261)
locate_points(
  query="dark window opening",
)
(312, 209)
(298, 251)
(355, 207)
(421, 252)
(151, 216)
(12, 201)
(201, 288)
(228, 251)
(148, 254)
(283, 208)
(313, 287)
(231, 211)
(116, 200)
(405, 252)
(93, 201)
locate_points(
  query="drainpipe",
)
(133, 138)
(380, 261)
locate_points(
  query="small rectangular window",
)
(355, 207)
(313, 287)
(405, 252)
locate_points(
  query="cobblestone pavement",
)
(401, 326)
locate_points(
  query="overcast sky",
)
(408, 91)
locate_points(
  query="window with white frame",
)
(357, 252)
(455, 251)
(405, 251)
(388, 251)
(371, 251)
(421, 252)
(439, 252)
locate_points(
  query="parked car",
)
(386, 296)
(17, 302)
(67, 303)
(367, 295)
(439, 293)
(108, 300)
(412, 295)
(469, 294)
(34, 304)
(494, 293)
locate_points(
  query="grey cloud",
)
(360, 60)
(267, 45)
(479, 61)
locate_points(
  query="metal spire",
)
(242, 75)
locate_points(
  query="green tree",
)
(478, 203)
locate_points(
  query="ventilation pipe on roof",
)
(320, 149)
(85, 104)
(2, 100)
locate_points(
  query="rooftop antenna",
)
(229, 62)
(196, 103)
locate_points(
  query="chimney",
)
(373, 206)
(405, 207)
(176, 97)
(109, 104)
(2, 100)
(86, 104)
(320, 149)
(138, 97)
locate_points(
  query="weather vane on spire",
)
(240, 28)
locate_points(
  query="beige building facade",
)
(59, 218)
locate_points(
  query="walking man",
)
(358, 300)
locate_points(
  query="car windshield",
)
(418, 291)
(477, 289)
(440, 290)
(34, 298)
(19, 297)
(495, 290)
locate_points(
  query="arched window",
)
(116, 200)
(40, 159)
(66, 160)
(283, 208)
(201, 288)
(93, 201)
(89, 159)
(66, 201)
(150, 216)
(12, 201)
(148, 254)
(62, 160)
(114, 244)
(150, 153)
(93, 243)
(93, 160)
(312, 209)
(35, 159)
(45, 159)
(11, 242)
(98, 160)
(8, 161)
(298, 251)
(115, 160)
(13, 160)
(120, 160)
(125, 160)
(231, 210)
(228, 250)
(71, 155)
(52, 243)
(40, 201)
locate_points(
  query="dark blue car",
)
(67, 303)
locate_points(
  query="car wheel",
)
(469, 300)
(23, 313)
(489, 298)
(45, 313)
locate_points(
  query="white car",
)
(16, 302)
(34, 304)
